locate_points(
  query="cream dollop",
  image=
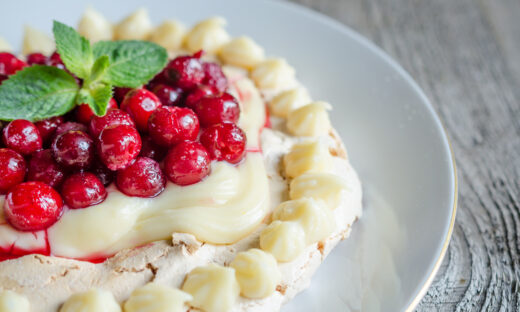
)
(309, 120)
(214, 288)
(208, 35)
(242, 52)
(170, 34)
(308, 156)
(320, 186)
(37, 41)
(136, 26)
(287, 101)
(257, 273)
(5, 46)
(273, 73)
(285, 240)
(13, 302)
(154, 297)
(95, 27)
(93, 300)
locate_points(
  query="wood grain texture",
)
(465, 54)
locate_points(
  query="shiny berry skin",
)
(187, 163)
(55, 60)
(113, 117)
(69, 126)
(143, 178)
(22, 136)
(151, 150)
(198, 93)
(84, 113)
(74, 150)
(82, 190)
(217, 109)
(43, 168)
(32, 206)
(120, 93)
(169, 96)
(10, 64)
(140, 104)
(170, 125)
(224, 141)
(118, 146)
(105, 175)
(36, 59)
(48, 127)
(185, 71)
(214, 77)
(12, 169)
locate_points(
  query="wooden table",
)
(465, 54)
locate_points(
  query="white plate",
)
(393, 136)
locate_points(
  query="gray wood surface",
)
(465, 54)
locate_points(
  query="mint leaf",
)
(97, 97)
(132, 63)
(99, 68)
(75, 50)
(36, 93)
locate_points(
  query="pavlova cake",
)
(154, 169)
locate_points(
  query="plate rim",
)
(343, 28)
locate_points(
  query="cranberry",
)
(32, 206)
(140, 104)
(22, 136)
(12, 169)
(84, 113)
(214, 77)
(74, 150)
(82, 190)
(187, 163)
(170, 125)
(112, 118)
(169, 96)
(10, 64)
(185, 71)
(151, 150)
(2, 78)
(217, 109)
(120, 93)
(143, 178)
(118, 146)
(55, 60)
(36, 59)
(48, 127)
(224, 141)
(198, 93)
(105, 175)
(43, 168)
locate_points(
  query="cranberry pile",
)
(171, 128)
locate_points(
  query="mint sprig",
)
(40, 92)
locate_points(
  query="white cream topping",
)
(308, 156)
(37, 41)
(208, 35)
(242, 52)
(287, 101)
(5, 46)
(94, 300)
(155, 297)
(285, 240)
(310, 120)
(13, 302)
(95, 27)
(170, 34)
(136, 26)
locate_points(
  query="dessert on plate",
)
(161, 168)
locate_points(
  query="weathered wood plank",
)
(465, 54)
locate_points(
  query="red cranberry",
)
(74, 150)
(55, 60)
(217, 109)
(118, 146)
(143, 178)
(169, 96)
(82, 190)
(32, 206)
(43, 168)
(187, 163)
(170, 125)
(36, 59)
(12, 169)
(105, 175)
(84, 113)
(198, 93)
(10, 64)
(120, 93)
(214, 77)
(185, 71)
(48, 127)
(140, 104)
(224, 141)
(69, 126)
(151, 150)
(22, 136)
(112, 118)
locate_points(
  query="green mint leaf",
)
(132, 63)
(36, 93)
(99, 68)
(97, 97)
(75, 50)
